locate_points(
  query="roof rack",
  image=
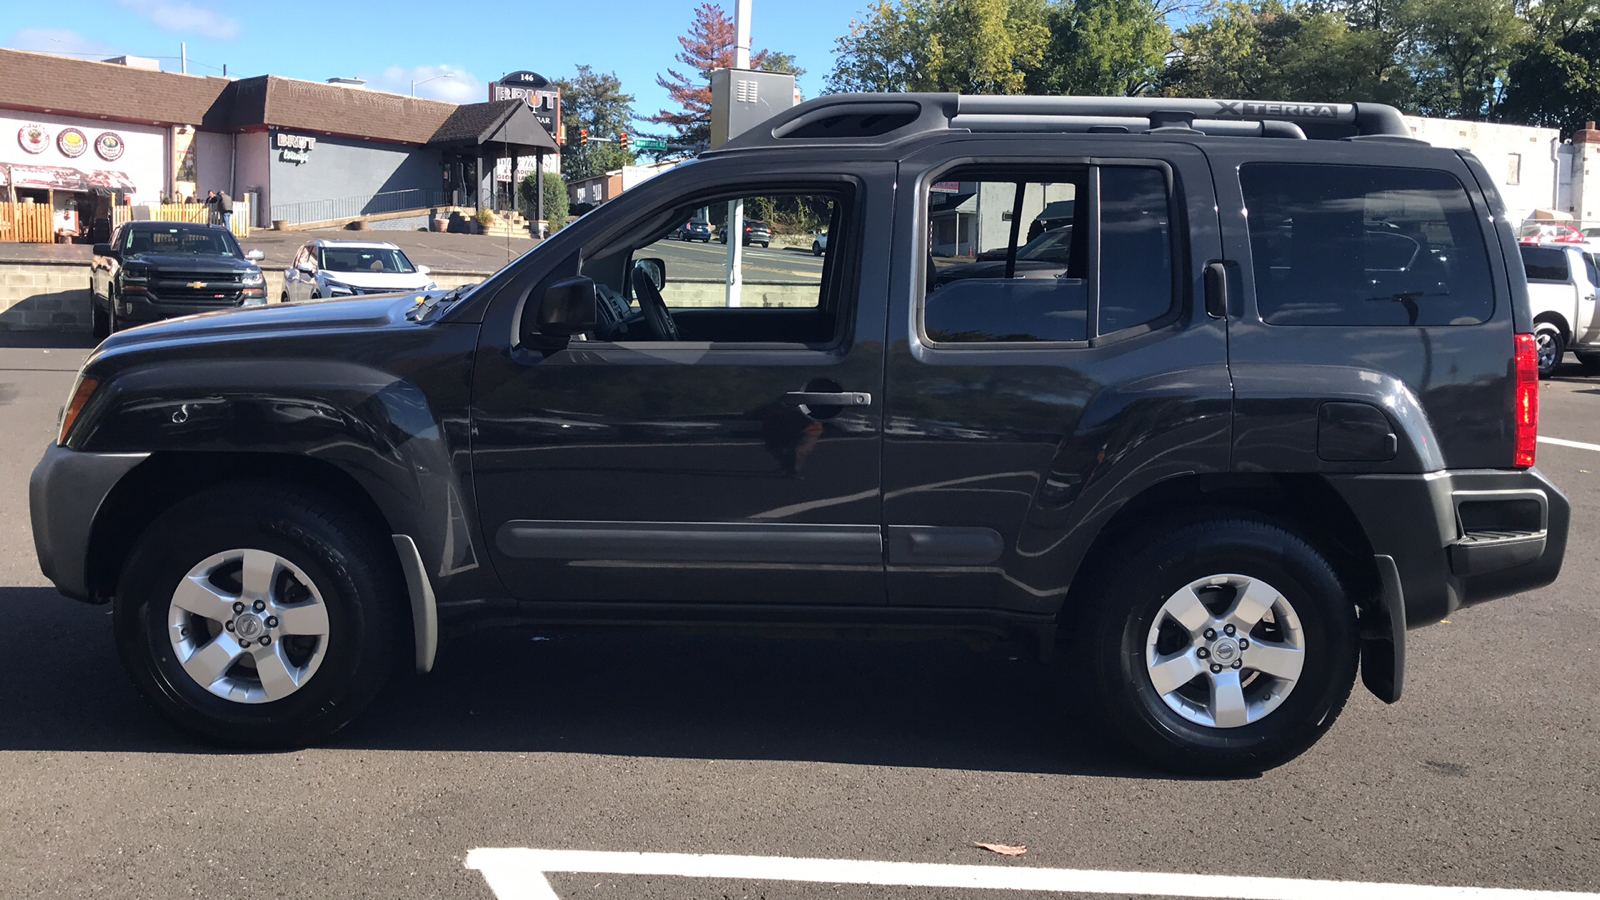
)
(881, 118)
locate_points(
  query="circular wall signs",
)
(33, 138)
(108, 146)
(71, 143)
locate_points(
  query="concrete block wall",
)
(44, 297)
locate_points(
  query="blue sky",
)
(393, 42)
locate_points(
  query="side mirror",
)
(104, 250)
(255, 256)
(567, 307)
(656, 268)
(307, 268)
(424, 270)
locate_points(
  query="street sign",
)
(643, 143)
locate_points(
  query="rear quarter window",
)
(1364, 245)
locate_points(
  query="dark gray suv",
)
(1274, 404)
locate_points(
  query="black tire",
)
(765, 244)
(1551, 347)
(1128, 595)
(99, 323)
(1590, 362)
(816, 248)
(284, 298)
(344, 559)
(112, 325)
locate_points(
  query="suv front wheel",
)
(1222, 647)
(255, 616)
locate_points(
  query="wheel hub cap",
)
(248, 625)
(1224, 651)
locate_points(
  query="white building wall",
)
(144, 148)
(213, 162)
(1522, 160)
(254, 174)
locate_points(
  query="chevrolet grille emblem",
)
(195, 285)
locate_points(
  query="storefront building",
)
(82, 135)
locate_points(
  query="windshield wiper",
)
(429, 304)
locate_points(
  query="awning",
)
(65, 178)
(1551, 215)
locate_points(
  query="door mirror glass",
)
(566, 308)
(655, 268)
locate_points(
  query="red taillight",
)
(1527, 438)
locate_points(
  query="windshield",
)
(191, 240)
(365, 259)
(1052, 246)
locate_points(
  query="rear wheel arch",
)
(1558, 320)
(1305, 505)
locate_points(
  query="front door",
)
(736, 461)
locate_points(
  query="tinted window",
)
(1545, 264)
(365, 259)
(1135, 247)
(1590, 268)
(1363, 245)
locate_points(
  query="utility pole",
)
(183, 55)
(735, 226)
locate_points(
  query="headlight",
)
(135, 274)
(82, 390)
(335, 287)
(253, 278)
(430, 286)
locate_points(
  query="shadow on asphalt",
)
(916, 704)
(47, 340)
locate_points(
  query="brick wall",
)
(44, 297)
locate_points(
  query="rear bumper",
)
(65, 493)
(1461, 537)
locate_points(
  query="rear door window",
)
(1545, 264)
(1364, 245)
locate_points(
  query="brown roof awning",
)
(65, 178)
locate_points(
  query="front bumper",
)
(149, 308)
(1461, 537)
(65, 493)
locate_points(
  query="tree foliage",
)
(556, 203)
(708, 45)
(594, 101)
(1533, 61)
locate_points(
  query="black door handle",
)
(817, 398)
(1217, 290)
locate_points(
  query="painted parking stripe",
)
(520, 874)
(1559, 442)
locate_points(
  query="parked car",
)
(157, 270)
(755, 232)
(1562, 283)
(1056, 214)
(819, 244)
(1546, 232)
(1220, 465)
(1047, 256)
(324, 270)
(695, 231)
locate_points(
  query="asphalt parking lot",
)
(1486, 775)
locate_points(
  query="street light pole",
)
(735, 225)
(414, 82)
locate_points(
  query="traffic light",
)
(583, 137)
(623, 140)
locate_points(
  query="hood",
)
(394, 281)
(358, 314)
(188, 263)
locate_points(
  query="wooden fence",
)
(26, 223)
(197, 213)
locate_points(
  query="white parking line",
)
(519, 874)
(1559, 442)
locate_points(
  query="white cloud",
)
(175, 15)
(443, 83)
(57, 40)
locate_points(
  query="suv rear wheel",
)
(256, 616)
(1221, 647)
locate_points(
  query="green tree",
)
(1555, 81)
(1465, 48)
(968, 46)
(556, 203)
(1103, 48)
(594, 101)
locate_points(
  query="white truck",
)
(1563, 280)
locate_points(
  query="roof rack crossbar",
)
(1128, 124)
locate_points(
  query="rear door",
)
(1029, 397)
(1378, 281)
